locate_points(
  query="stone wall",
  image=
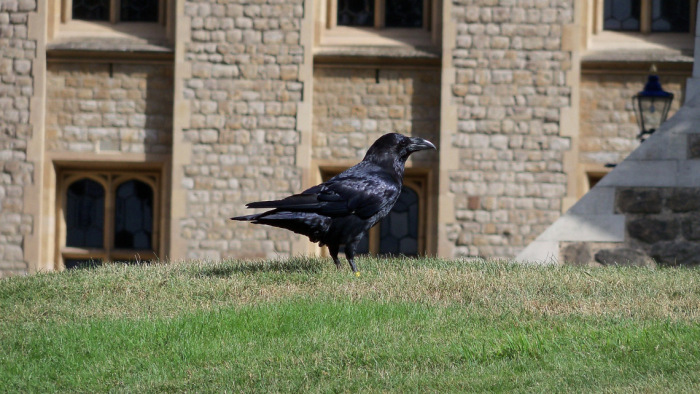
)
(662, 227)
(243, 93)
(17, 57)
(107, 107)
(510, 88)
(662, 222)
(355, 106)
(609, 127)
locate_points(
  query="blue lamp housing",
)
(651, 105)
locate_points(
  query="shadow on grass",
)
(286, 266)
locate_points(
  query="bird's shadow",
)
(287, 266)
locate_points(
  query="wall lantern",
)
(651, 105)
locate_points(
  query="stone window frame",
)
(61, 23)
(114, 10)
(330, 34)
(110, 179)
(645, 17)
(379, 14)
(417, 180)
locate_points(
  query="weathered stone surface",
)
(638, 200)
(608, 127)
(684, 199)
(577, 254)
(624, 256)
(652, 230)
(510, 92)
(244, 91)
(676, 253)
(353, 107)
(17, 66)
(694, 146)
(691, 227)
(103, 107)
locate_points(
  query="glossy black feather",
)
(340, 210)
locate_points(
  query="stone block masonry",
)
(510, 88)
(17, 57)
(244, 92)
(355, 106)
(107, 107)
(608, 125)
(664, 223)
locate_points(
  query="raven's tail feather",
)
(310, 224)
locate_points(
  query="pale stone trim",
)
(182, 150)
(300, 245)
(569, 117)
(693, 84)
(449, 155)
(35, 202)
(660, 162)
(60, 23)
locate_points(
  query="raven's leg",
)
(350, 255)
(333, 250)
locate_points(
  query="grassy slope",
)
(301, 325)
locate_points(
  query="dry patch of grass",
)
(502, 287)
(301, 325)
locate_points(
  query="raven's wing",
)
(361, 190)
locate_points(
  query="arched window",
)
(403, 230)
(398, 231)
(85, 214)
(133, 215)
(108, 216)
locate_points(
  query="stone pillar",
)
(693, 85)
(18, 65)
(239, 83)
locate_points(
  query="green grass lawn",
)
(300, 325)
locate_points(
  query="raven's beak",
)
(418, 143)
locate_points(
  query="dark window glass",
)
(139, 11)
(621, 15)
(399, 229)
(670, 16)
(82, 263)
(91, 10)
(355, 13)
(404, 13)
(133, 216)
(85, 202)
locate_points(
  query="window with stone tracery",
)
(399, 233)
(386, 23)
(403, 230)
(107, 216)
(647, 16)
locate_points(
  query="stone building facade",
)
(19, 61)
(184, 114)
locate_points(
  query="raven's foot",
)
(352, 265)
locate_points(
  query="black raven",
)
(340, 210)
